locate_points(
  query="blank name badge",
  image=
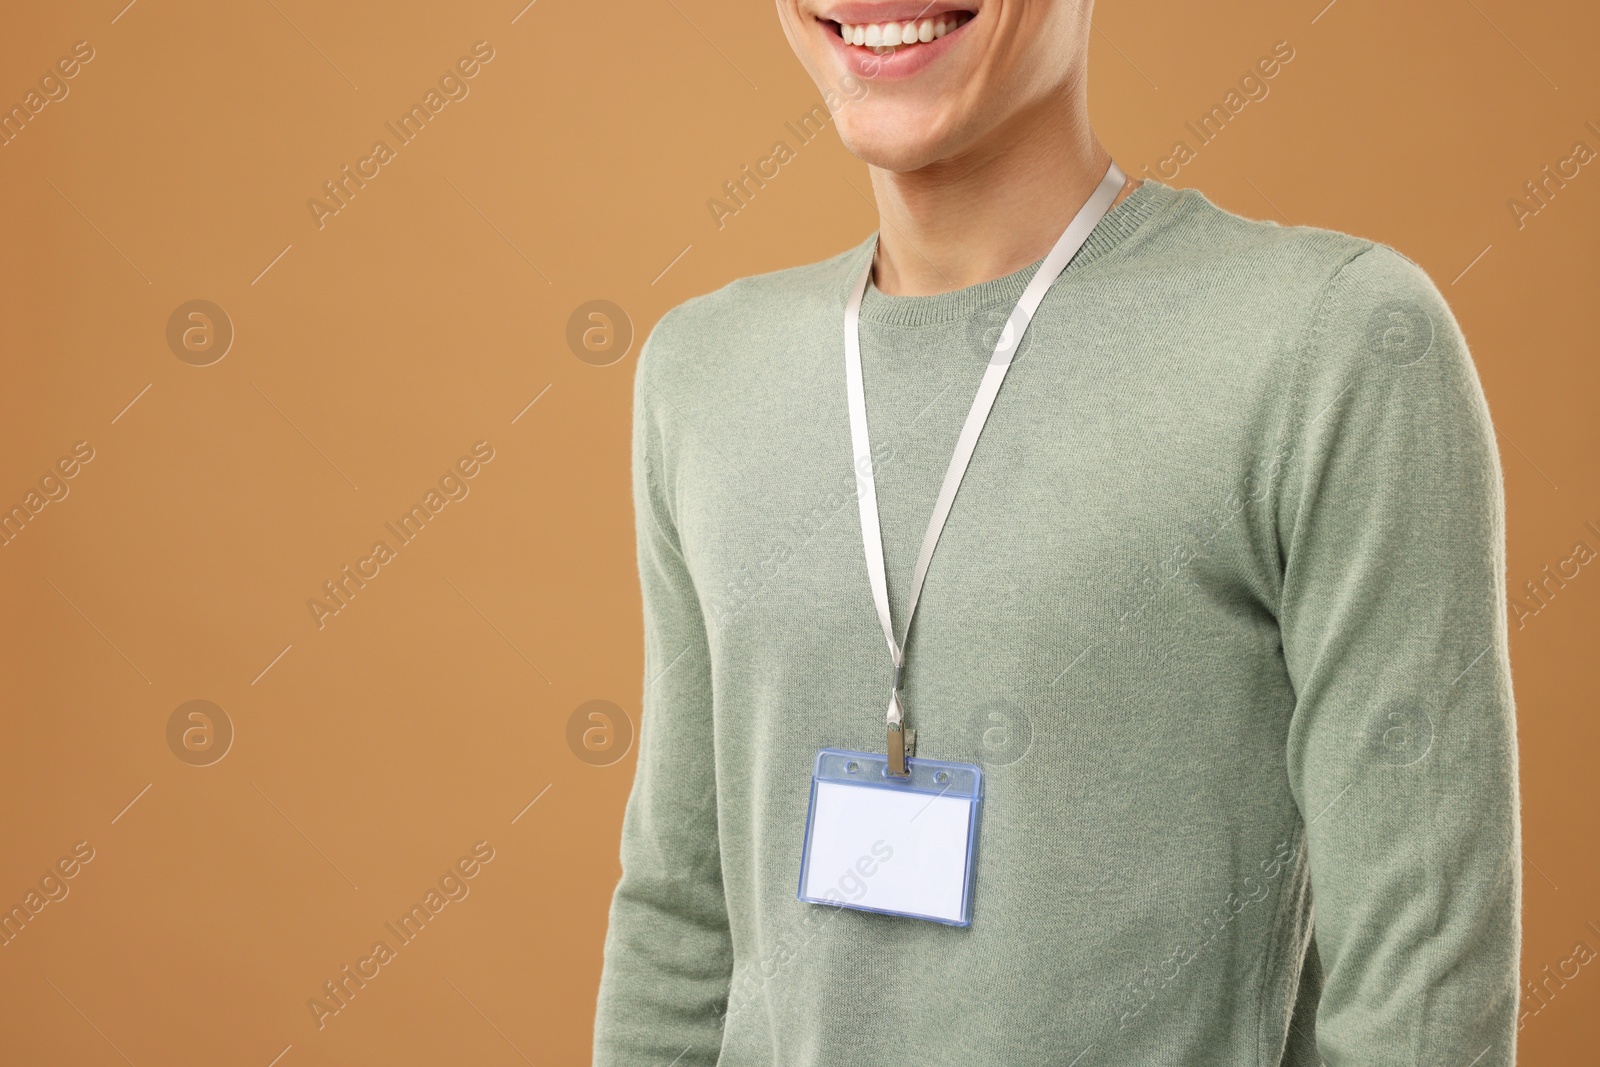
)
(890, 845)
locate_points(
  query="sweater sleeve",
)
(668, 953)
(1402, 746)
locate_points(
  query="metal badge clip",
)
(902, 746)
(902, 743)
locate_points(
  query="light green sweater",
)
(1220, 609)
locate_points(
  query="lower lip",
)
(897, 65)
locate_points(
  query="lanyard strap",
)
(900, 742)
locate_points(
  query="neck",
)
(991, 210)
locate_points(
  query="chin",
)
(898, 139)
(928, 80)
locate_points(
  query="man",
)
(1218, 611)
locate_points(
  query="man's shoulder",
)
(1228, 245)
(766, 305)
(1335, 289)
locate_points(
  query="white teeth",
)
(899, 34)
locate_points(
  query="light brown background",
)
(425, 316)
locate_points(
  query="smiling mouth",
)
(886, 38)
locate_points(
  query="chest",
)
(1103, 486)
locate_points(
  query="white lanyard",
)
(901, 742)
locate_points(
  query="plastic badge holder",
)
(888, 845)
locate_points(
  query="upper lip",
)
(866, 13)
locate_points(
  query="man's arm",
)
(668, 954)
(1402, 749)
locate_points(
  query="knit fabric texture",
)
(1220, 610)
